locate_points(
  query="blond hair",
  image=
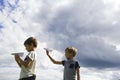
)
(72, 50)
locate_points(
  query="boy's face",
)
(29, 47)
(68, 54)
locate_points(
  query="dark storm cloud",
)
(95, 52)
(84, 27)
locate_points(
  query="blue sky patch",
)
(11, 6)
(2, 5)
(1, 26)
(14, 21)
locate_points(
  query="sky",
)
(92, 26)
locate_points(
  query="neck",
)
(69, 58)
(31, 50)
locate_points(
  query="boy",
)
(71, 67)
(28, 65)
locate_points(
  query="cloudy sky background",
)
(92, 26)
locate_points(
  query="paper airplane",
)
(19, 53)
(50, 50)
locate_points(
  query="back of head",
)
(31, 40)
(72, 50)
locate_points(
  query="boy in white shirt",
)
(28, 64)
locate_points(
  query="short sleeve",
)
(31, 55)
(63, 63)
(77, 65)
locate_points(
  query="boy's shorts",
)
(29, 78)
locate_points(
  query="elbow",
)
(54, 62)
(25, 65)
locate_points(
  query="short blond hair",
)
(72, 50)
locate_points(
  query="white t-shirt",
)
(29, 71)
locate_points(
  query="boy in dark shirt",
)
(71, 66)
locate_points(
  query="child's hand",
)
(16, 56)
(47, 51)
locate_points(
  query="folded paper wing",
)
(50, 50)
(20, 54)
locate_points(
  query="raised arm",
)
(53, 60)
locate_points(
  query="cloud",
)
(96, 52)
(115, 75)
(61, 24)
(92, 26)
(87, 29)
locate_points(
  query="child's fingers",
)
(17, 54)
(47, 51)
(13, 54)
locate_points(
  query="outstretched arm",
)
(54, 61)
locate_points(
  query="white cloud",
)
(45, 74)
(91, 26)
(115, 75)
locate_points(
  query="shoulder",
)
(32, 55)
(63, 62)
(76, 61)
(77, 65)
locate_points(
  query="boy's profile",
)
(28, 64)
(71, 66)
